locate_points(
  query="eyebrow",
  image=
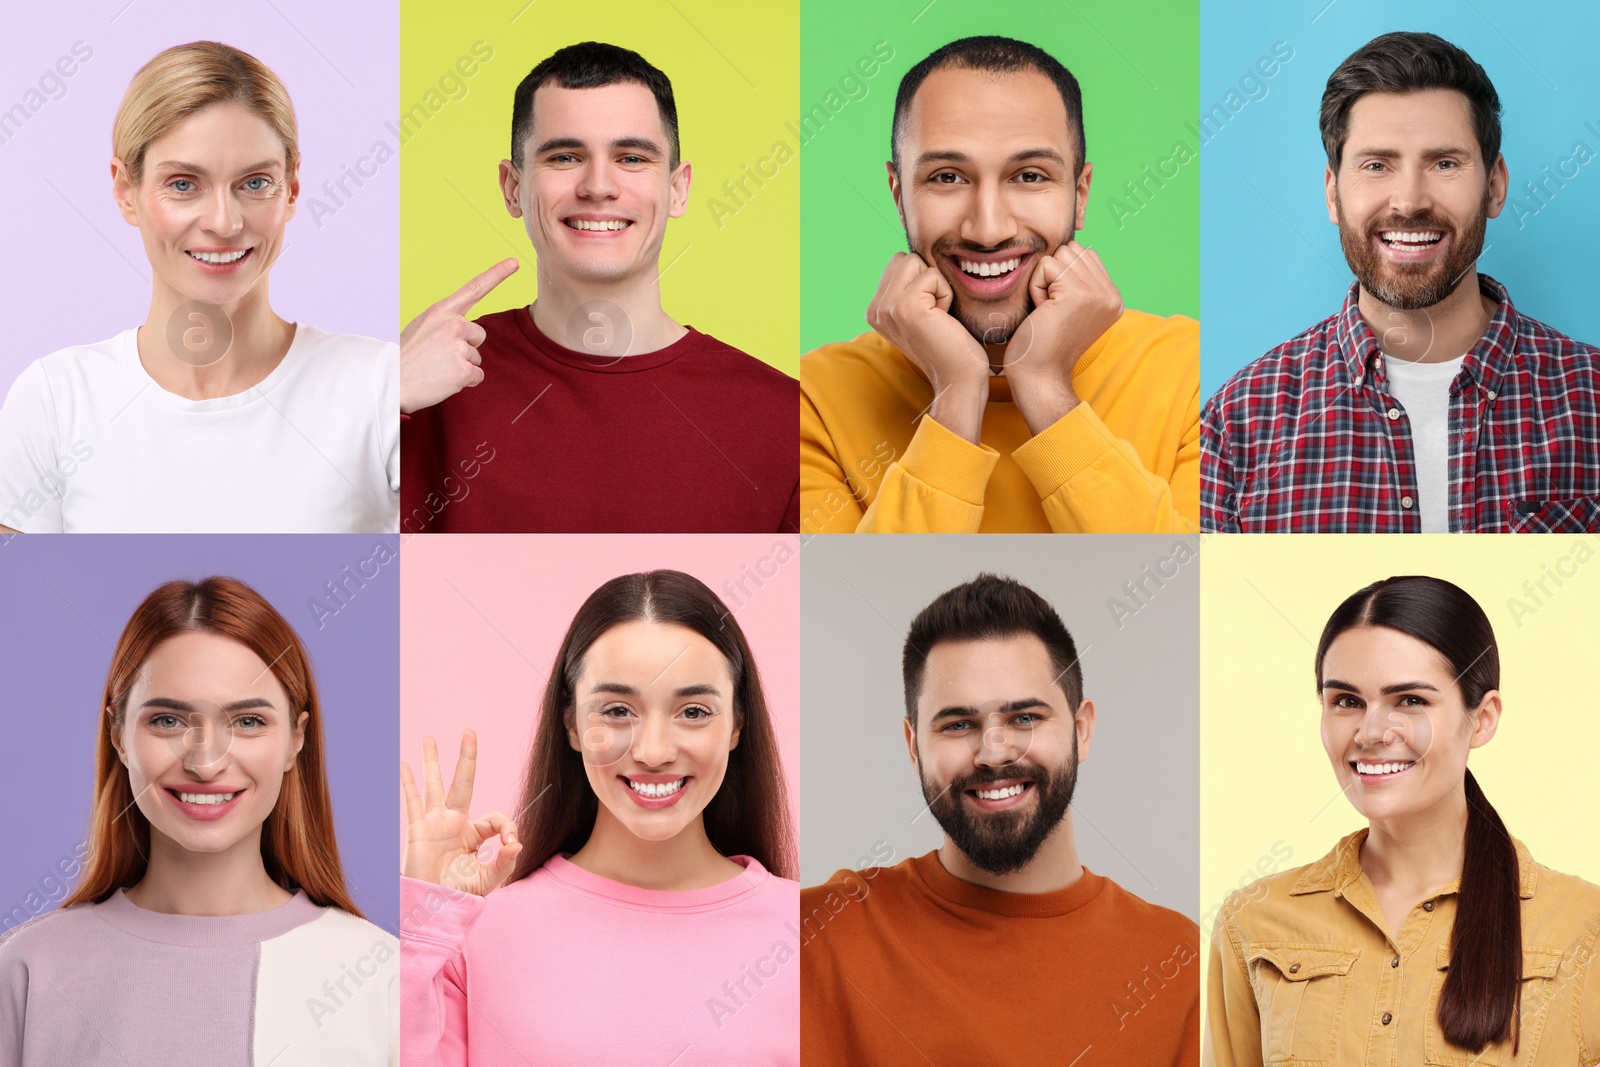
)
(195, 168)
(643, 144)
(1430, 153)
(622, 689)
(180, 705)
(1388, 690)
(959, 711)
(947, 156)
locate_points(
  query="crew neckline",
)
(754, 876)
(199, 931)
(550, 349)
(128, 342)
(941, 883)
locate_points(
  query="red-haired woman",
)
(211, 923)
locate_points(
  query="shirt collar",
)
(1342, 866)
(1489, 361)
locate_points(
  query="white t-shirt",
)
(90, 443)
(1423, 390)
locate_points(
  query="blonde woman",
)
(215, 414)
(211, 923)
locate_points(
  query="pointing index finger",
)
(460, 302)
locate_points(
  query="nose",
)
(205, 747)
(597, 180)
(223, 216)
(654, 744)
(999, 744)
(1409, 195)
(990, 221)
(1379, 727)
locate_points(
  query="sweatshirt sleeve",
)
(13, 1004)
(1218, 500)
(1233, 1019)
(433, 998)
(1091, 481)
(30, 483)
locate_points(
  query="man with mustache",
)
(1003, 386)
(999, 947)
(1428, 403)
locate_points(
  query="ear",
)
(894, 191)
(911, 746)
(299, 739)
(1499, 180)
(116, 737)
(1083, 724)
(1083, 194)
(570, 717)
(511, 187)
(123, 190)
(1486, 719)
(682, 178)
(294, 190)
(1330, 193)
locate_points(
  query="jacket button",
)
(1294, 968)
(1395, 962)
(1387, 1018)
(1427, 905)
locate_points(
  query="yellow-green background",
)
(1264, 776)
(735, 75)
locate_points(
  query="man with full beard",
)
(999, 947)
(1003, 387)
(1428, 403)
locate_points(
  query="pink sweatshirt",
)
(567, 967)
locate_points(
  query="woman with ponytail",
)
(1431, 936)
(211, 924)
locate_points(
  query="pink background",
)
(482, 616)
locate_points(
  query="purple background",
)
(73, 272)
(63, 604)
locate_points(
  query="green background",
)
(1139, 67)
(734, 75)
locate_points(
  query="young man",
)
(999, 948)
(1427, 403)
(597, 411)
(1003, 387)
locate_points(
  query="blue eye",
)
(181, 181)
(266, 184)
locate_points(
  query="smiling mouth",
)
(1410, 240)
(220, 259)
(1389, 769)
(988, 269)
(601, 225)
(205, 799)
(656, 790)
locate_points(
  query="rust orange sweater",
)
(910, 965)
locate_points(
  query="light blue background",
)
(1270, 262)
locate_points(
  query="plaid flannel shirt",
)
(1308, 438)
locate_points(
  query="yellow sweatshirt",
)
(1125, 460)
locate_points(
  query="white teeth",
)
(999, 794)
(656, 789)
(219, 258)
(588, 224)
(990, 270)
(206, 799)
(1410, 237)
(1382, 768)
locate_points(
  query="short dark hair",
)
(993, 55)
(591, 65)
(1408, 63)
(990, 608)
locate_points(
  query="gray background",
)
(1136, 809)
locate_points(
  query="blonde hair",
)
(188, 78)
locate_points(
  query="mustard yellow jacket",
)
(1304, 974)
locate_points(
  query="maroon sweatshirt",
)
(698, 438)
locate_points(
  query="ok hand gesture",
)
(442, 838)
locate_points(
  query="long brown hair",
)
(1480, 1003)
(750, 813)
(298, 846)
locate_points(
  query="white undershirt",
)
(89, 442)
(1423, 390)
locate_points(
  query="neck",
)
(643, 321)
(1420, 852)
(231, 882)
(1055, 866)
(687, 860)
(1431, 334)
(180, 348)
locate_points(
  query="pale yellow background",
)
(736, 78)
(1265, 781)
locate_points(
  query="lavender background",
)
(63, 604)
(73, 272)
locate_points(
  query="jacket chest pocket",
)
(1539, 968)
(1301, 991)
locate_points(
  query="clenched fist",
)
(1074, 304)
